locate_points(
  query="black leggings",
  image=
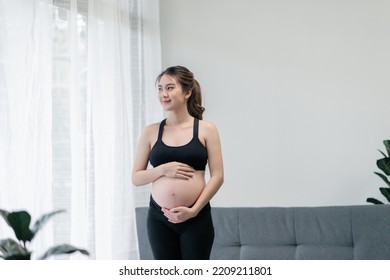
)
(190, 240)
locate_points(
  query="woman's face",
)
(171, 94)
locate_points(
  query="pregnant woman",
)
(179, 222)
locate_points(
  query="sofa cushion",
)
(371, 232)
(227, 243)
(323, 233)
(266, 233)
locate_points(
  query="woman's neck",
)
(175, 118)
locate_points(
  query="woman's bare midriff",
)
(173, 192)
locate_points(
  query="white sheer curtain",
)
(25, 111)
(105, 55)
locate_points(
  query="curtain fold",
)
(75, 115)
(25, 112)
(108, 84)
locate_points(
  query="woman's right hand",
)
(178, 170)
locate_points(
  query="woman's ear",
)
(188, 95)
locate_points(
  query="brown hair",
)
(186, 80)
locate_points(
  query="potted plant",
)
(19, 221)
(384, 165)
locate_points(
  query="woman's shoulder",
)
(207, 124)
(152, 126)
(151, 130)
(207, 127)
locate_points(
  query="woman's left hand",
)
(178, 214)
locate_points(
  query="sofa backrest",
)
(332, 232)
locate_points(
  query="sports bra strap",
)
(161, 129)
(196, 127)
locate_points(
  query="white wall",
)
(299, 90)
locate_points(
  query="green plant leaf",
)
(383, 177)
(5, 214)
(386, 193)
(20, 223)
(382, 153)
(42, 221)
(11, 250)
(374, 201)
(387, 145)
(384, 165)
(63, 249)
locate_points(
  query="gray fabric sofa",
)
(331, 232)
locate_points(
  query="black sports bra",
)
(194, 153)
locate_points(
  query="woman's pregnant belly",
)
(173, 192)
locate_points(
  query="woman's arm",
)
(141, 175)
(215, 163)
